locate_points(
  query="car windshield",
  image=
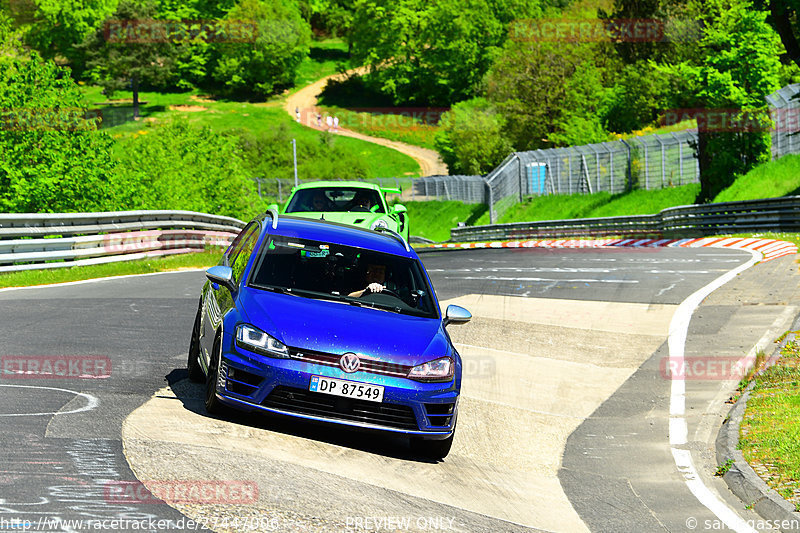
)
(313, 269)
(332, 199)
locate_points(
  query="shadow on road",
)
(192, 397)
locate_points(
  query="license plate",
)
(347, 389)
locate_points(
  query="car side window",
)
(240, 255)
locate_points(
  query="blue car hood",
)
(336, 327)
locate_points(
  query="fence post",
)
(491, 203)
(628, 173)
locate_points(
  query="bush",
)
(281, 43)
(268, 154)
(179, 166)
(53, 158)
(470, 139)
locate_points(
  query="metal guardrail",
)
(775, 214)
(33, 241)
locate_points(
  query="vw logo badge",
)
(349, 362)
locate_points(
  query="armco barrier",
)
(775, 214)
(32, 241)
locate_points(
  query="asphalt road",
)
(61, 465)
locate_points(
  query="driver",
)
(375, 280)
(319, 202)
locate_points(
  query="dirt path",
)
(306, 100)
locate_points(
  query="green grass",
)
(770, 180)
(392, 124)
(433, 220)
(601, 204)
(223, 115)
(204, 259)
(363, 109)
(641, 202)
(770, 435)
(324, 59)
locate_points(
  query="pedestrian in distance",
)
(335, 123)
(297, 113)
(319, 119)
(329, 122)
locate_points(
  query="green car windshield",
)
(333, 199)
(329, 271)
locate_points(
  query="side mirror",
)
(456, 315)
(399, 208)
(221, 275)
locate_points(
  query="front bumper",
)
(254, 383)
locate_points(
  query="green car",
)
(349, 202)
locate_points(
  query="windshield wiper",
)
(273, 288)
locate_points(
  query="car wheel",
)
(213, 405)
(432, 449)
(193, 364)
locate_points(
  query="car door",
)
(217, 301)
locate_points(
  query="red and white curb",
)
(768, 248)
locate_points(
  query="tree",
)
(125, 52)
(738, 67)
(271, 61)
(430, 53)
(54, 159)
(471, 139)
(545, 89)
(55, 27)
(783, 16)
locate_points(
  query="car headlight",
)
(256, 340)
(438, 370)
(380, 223)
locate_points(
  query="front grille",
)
(372, 366)
(323, 405)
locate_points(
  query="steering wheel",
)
(390, 293)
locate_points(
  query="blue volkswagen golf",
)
(330, 323)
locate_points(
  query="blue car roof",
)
(334, 232)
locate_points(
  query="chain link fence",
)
(281, 189)
(785, 105)
(646, 162)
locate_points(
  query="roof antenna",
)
(322, 216)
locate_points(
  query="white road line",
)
(91, 401)
(94, 280)
(497, 278)
(678, 429)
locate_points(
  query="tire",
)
(213, 405)
(193, 364)
(432, 449)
